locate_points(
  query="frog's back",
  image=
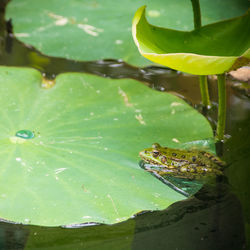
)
(194, 156)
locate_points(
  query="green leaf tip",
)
(213, 49)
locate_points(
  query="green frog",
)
(190, 164)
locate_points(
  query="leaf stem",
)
(222, 106)
(204, 91)
(196, 13)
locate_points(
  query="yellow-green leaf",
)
(213, 49)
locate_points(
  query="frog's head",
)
(153, 155)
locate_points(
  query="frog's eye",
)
(174, 154)
(155, 153)
(156, 145)
(163, 159)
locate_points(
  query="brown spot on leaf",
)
(239, 62)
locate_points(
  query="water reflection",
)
(212, 219)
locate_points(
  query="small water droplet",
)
(25, 134)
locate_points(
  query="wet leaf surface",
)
(82, 163)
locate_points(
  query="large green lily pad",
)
(82, 164)
(97, 29)
(213, 49)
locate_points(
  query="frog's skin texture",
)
(181, 163)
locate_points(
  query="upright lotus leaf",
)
(213, 49)
(98, 29)
(69, 153)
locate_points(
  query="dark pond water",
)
(217, 217)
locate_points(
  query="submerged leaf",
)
(213, 49)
